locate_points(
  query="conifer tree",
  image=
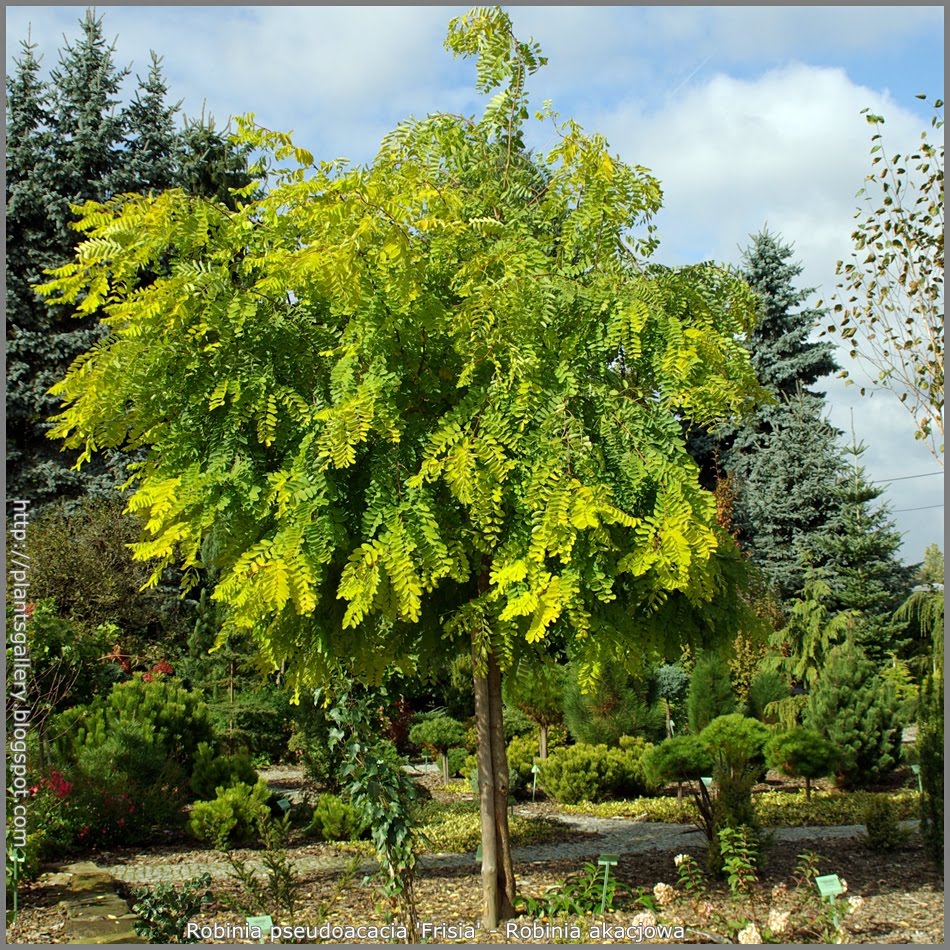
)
(74, 143)
(152, 157)
(784, 360)
(865, 575)
(856, 711)
(28, 249)
(789, 497)
(68, 142)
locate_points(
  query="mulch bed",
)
(902, 892)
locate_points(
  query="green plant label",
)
(283, 804)
(829, 885)
(608, 859)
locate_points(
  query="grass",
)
(774, 809)
(453, 827)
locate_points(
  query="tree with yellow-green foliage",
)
(427, 406)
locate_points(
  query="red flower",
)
(163, 666)
(30, 607)
(147, 678)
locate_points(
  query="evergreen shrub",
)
(337, 820)
(594, 773)
(767, 687)
(676, 760)
(212, 771)
(884, 833)
(856, 711)
(801, 753)
(618, 705)
(232, 817)
(710, 693)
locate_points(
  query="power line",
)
(901, 478)
(921, 508)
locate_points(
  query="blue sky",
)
(748, 115)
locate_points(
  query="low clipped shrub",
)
(801, 753)
(772, 810)
(337, 820)
(677, 760)
(232, 817)
(213, 771)
(438, 734)
(678, 811)
(522, 753)
(594, 772)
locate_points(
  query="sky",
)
(749, 117)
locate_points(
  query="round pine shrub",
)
(438, 734)
(337, 820)
(676, 760)
(801, 753)
(734, 742)
(232, 817)
(213, 771)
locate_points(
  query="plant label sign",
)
(829, 885)
(608, 860)
(284, 805)
(259, 926)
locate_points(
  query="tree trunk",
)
(543, 729)
(486, 802)
(807, 789)
(444, 762)
(499, 754)
(498, 876)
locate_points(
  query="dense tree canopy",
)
(443, 388)
(432, 404)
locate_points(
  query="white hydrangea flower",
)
(778, 920)
(749, 935)
(664, 894)
(844, 885)
(679, 859)
(855, 902)
(644, 919)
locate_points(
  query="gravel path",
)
(616, 836)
